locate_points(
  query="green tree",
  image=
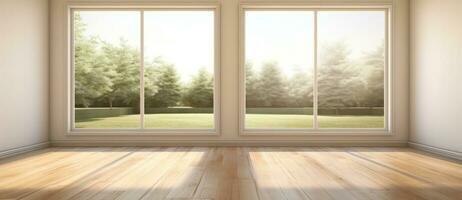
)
(167, 85)
(200, 91)
(301, 89)
(251, 86)
(151, 77)
(123, 63)
(90, 71)
(375, 62)
(271, 85)
(338, 82)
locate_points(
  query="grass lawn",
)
(306, 121)
(252, 121)
(151, 121)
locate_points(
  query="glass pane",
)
(279, 60)
(179, 68)
(106, 69)
(351, 69)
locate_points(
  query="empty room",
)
(231, 99)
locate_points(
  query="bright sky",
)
(185, 38)
(182, 38)
(362, 31)
(287, 37)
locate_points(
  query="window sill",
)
(313, 132)
(143, 132)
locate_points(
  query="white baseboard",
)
(24, 149)
(225, 143)
(436, 150)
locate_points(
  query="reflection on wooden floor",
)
(229, 173)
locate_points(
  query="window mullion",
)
(142, 68)
(315, 72)
(386, 71)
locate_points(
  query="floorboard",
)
(247, 173)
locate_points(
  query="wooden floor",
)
(229, 173)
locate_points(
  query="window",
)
(314, 69)
(106, 69)
(351, 69)
(179, 63)
(278, 89)
(144, 69)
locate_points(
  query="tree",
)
(301, 89)
(251, 86)
(338, 82)
(271, 86)
(90, 71)
(167, 85)
(123, 63)
(375, 62)
(200, 91)
(150, 80)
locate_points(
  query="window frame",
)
(215, 8)
(315, 130)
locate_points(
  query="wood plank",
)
(215, 184)
(191, 176)
(92, 184)
(451, 185)
(56, 170)
(244, 187)
(176, 177)
(318, 182)
(223, 173)
(128, 183)
(359, 178)
(267, 184)
(420, 189)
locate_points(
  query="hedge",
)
(292, 111)
(87, 113)
(375, 111)
(177, 110)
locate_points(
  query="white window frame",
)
(388, 81)
(71, 130)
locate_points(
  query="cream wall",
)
(229, 134)
(437, 74)
(23, 73)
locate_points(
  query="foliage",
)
(166, 84)
(91, 113)
(375, 62)
(200, 91)
(251, 84)
(123, 63)
(107, 75)
(342, 81)
(301, 89)
(91, 74)
(271, 86)
(104, 72)
(336, 77)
